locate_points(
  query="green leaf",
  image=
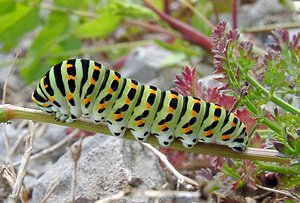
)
(99, 27)
(230, 171)
(131, 10)
(7, 6)
(159, 4)
(47, 40)
(16, 23)
(70, 43)
(274, 75)
(180, 46)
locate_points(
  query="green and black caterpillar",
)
(77, 86)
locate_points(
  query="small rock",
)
(107, 166)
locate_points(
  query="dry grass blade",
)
(55, 184)
(200, 15)
(120, 195)
(6, 80)
(53, 147)
(24, 163)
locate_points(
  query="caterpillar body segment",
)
(167, 117)
(77, 86)
(141, 120)
(118, 116)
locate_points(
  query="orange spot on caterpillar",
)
(86, 100)
(196, 101)
(46, 86)
(186, 130)
(148, 106)
(118, 116)
(127, 100)
(171, 110)
(51, 99)
(139, 122)
(208, 133)
(225, 137)
(116, 78)
(68, 66)
(163, 126)
(93, 82)
(152, 91)
(194, 113)
(216, 118)
(133, 86)
(70, 77)
(97, 68)
(101, 106)
(233, 124)
(69, 96)
(173, 96)
(110, 90)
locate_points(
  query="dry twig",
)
(181, 178)
(283, 192)
(120, 195)
(5, 138)
(75, 151)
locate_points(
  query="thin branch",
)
(286, 193)
(234, 8)
(268, 28)
(181, 178)
(151, 27)
(172, 194)
(75, 152)
(9, 112)
(5, 137)
(187, 32)
(7, 77)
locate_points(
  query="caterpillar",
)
(79, 87)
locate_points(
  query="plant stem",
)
(268, 123)
(66, 10)
(9, 112)
(277, 168)
(286, 106)
(268, 28)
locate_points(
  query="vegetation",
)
(110, 29)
